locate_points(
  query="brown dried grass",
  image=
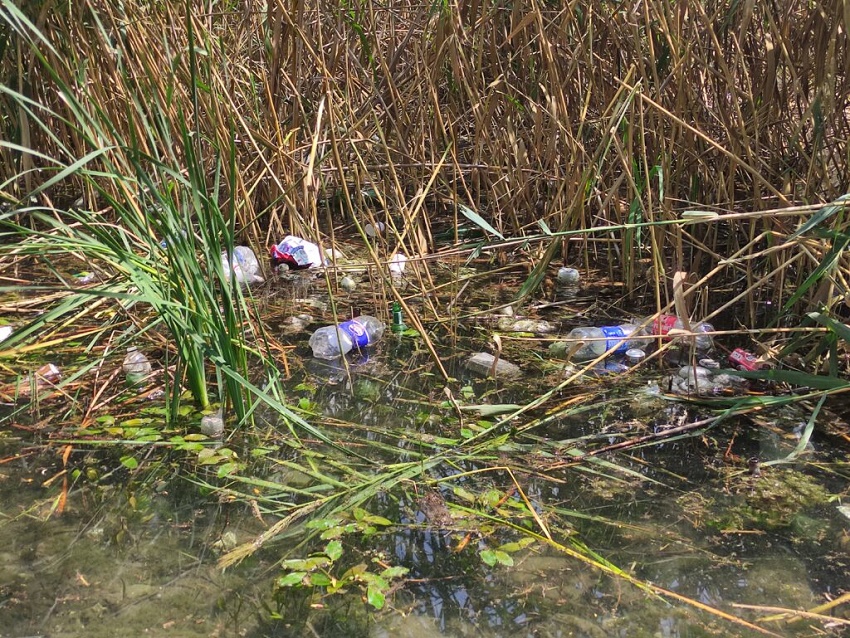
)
(505, 108)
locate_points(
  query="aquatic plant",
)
(160, 245)
(232, 125)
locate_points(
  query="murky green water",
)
(136, 549)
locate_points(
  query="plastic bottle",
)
(244, 266)
(136, 366)
(331, 342)
(620, 338)
(663, 324)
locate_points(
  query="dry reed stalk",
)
(739, 106)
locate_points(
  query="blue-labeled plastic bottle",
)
(598, 341)
(331, 342)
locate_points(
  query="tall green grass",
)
(160, 242)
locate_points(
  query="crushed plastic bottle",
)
(667, 326)
(702, 381)
(611, 339)
(331, 342)
(711, 364)
(298, 323)
(694, 372)
(244, 267)
(609, 366)
(297, 253)
(536, 326)
(724, 383)
(136, 366)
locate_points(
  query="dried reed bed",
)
(578, 114)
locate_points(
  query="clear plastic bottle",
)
(604, 338)
(245, 267)
(663, 324)
(331, 342)
(136, 366)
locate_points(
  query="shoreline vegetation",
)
(694, 155)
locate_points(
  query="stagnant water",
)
(135, 547)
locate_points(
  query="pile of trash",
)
(626, 345)
(295, 253)
(689, 347)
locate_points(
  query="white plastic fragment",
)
(347, 284)
(398, 262)
(374, 231)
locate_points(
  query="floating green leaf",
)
(375, 597)
(320, 580)
(334, 550)
(292, 579)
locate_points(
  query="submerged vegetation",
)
(689, 157)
